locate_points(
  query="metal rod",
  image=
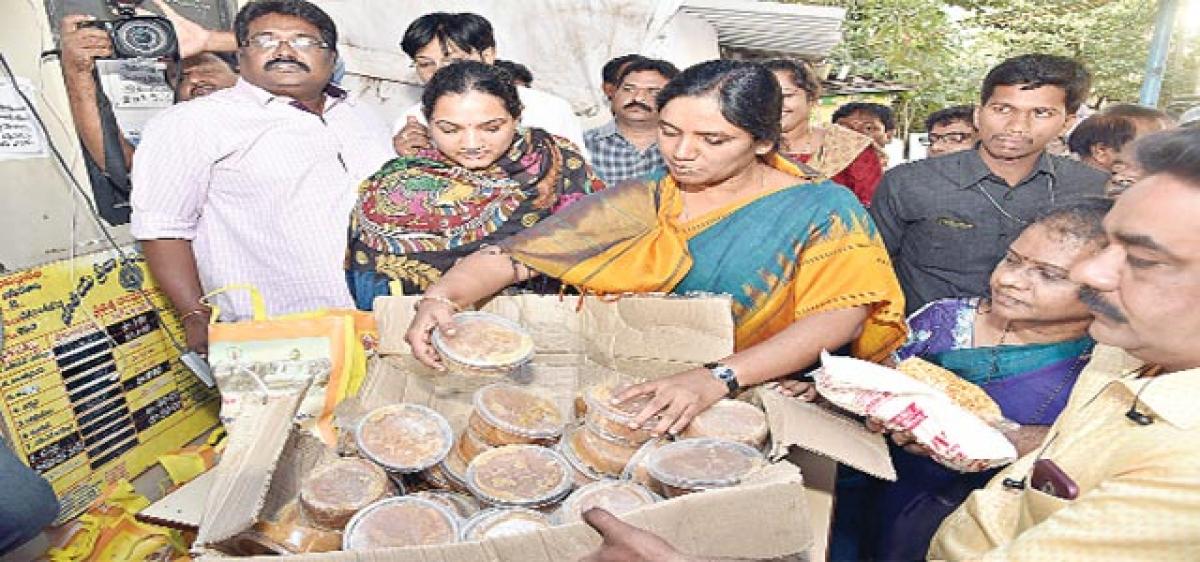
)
(1159, 45)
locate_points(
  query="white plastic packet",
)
(955, 437)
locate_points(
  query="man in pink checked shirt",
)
(254, 184)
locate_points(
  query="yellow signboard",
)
(91, 389)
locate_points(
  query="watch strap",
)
(726, 375)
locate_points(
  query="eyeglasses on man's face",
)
(952, 138)
(302, 43)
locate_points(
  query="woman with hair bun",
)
(804, 266)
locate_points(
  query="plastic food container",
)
(636, 470)
(484, 345)
(693, 465)
(439, 477)
(402, 521)
(501, 521)
(520, 476)
(404, 437)
(732, 420)
(453, 471)
(506, 414)
(462, 505)
(605, 455)
(285, 539)
(613, 420)
(288, 533)
(581, 472)
(470, 445)
(615, 496)
(332, 493)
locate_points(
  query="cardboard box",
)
(578, 343)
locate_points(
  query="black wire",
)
(125, 259)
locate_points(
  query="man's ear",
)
(488, 55)
(609, 90)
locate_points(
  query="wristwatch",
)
(725, 374)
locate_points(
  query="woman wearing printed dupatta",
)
(1025, 346)
(836, 152)
(485, 181)
(801, 259)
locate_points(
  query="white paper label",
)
(20, 135)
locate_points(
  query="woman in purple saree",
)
(1024, 345)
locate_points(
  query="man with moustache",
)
(947, 220)
(1118, 475)
(626, 148)
(254, 184)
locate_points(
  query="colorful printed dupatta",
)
(786, 254)
(417, 216)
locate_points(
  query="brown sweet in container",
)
(732, 420)
(400, 521)
(612, 420)
(332, 493)
(288, 533)
(581, 473)
(615, 496)
(501, 521)
(519, 475)
(605, 455)
(692, 465)
(470, 445)
(637, 469)
(462, 505)
(404, 437)
(452, 472)
(484, 345)
(506, 414)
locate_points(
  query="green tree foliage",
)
(943, 48)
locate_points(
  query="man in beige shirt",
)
(1129, 440)
(1118, 476)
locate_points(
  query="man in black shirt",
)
(947, 220)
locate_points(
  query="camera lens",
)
(144, 37)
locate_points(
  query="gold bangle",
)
(437, 298)
(193, 313)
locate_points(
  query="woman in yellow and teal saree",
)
(799, 255)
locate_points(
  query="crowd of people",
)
(1065, 286)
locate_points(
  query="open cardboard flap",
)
(578, 343)
(825, 432)
(247, 467)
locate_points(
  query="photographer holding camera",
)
(200, 72)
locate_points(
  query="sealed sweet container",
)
(400, 521)
(520, 476)
(507, 414)
(693, 465)
(484, 346)
(404, 437)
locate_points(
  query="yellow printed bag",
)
(320, 351)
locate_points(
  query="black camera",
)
(135, 36)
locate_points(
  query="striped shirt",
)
(262, 188)
(617, 160)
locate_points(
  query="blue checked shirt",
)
(616, 160)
